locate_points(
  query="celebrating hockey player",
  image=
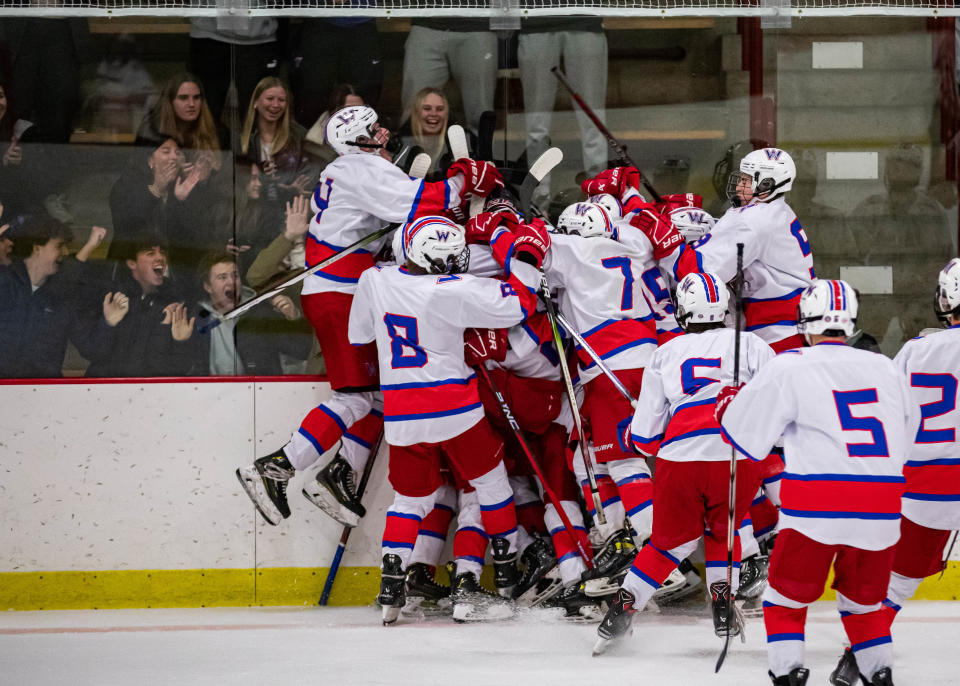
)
(358, 193)
(674, 421)
(848, 423)
(416, 314)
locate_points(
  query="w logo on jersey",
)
(773, 154)
(443, 235)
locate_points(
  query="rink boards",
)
(121, 495)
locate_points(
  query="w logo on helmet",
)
(346, 117)
(697, 217)
(581, 209)
(773, 154)
(443, 235)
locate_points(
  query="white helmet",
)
(692, 222)
(827, 305)
(702, 298)
(771, 172)
(345, 127)
(586, 220)
(436, 244)
(948, 291)
(610, 203)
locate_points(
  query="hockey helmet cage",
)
(586, 220)
(610, 203)
(702, 298)
(436, 244)
(827, 307)
(503, 200)
(770, 172)
(347, 126)
(692, 223)
(947, 301)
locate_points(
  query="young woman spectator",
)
(427, 127)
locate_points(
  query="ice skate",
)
(726, 614)
(335, 492)
(616, 623)
(577, 607)
(473, 603)
(847, 672)
(797, 677)
(424, 595)
(536, 584)
(265, 481)
(392, 596)
(682, 582)
(883, 677)
(753, 576)
(610, 565)
(505, 574)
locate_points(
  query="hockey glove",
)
(674, 201)
(724, 398)
(479, 177)
(480, 345)
(532, 242)
(612, 181)
(458, 214)
(660, 231)
(479, 229)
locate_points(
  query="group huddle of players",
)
(445, 338)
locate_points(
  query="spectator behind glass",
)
(254, 343)
(272, 140)
(343, 95)
(426, 126)
(155, 337)
(24, 182)
(39, 308)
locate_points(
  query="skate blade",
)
(252, 484)
(598, 588)
(533, 597)
(390, 614)
(469, 612)
(424, 607)
(592, 614)
(601, 646)
(323, 499)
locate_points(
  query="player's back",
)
(931, 365)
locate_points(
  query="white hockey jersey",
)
(674, 419)
(848, 422)
(417, 321)
(932, 366)
(655, 280)
(601, 293)
(777, 264)
(356, 196)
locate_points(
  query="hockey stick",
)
(417, 170)
(585, 451)
(597, 359)
(485, 129)
(946, 558)
(605, 132)
(345, 534)
(538, 170)
(457, 138)
(518, 432)
(732, 493)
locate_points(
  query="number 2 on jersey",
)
(947, 383)
(405, 350)
(844, 401)
(623, 264)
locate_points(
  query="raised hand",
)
(12, 155)
(298, 218)
(115, 307)
(97, 234)
(181, 328)
(285, 306)
(185, 184)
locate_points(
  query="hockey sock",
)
(497, 510)
(901, 588)
(635, 487)
(784, 620)
(470, 541)
(433, 529)
(612, 506)
(748, 543)
(650, 569)
(764, 515)
(324, 426)
(715, 556)
(403, 524)
(869, 633)
(528, 505)
(359, 438)
(571, 564)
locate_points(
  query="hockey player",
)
(674, 421)
(417, 314)
(358, 193)
(848, 424)
(931, 503)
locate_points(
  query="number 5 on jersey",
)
(845, 400)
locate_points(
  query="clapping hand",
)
(115, 307)
(236, 250)
(186, 183)
(12, 155)
(181, 328)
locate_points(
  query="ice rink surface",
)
(336, 646)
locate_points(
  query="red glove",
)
(673, 201)
(479, 177)
(532, 242)
(480, 228)
(612, 181)
(458, 214)
(724, 398)
(480, 345)
(660, 230)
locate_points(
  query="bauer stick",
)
(585, 451)
(601, 365)
(457, 138)
(605, 132)
(732, 493)
(518, 432)
(418, 169)
(345, 534)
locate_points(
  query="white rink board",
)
(119, 476)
